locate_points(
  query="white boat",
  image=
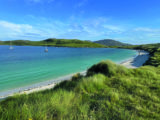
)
(11, 47)
(46, 49)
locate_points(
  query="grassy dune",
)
(109, 91)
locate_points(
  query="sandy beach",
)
(138, 61)
(37, 87)
(135, 62)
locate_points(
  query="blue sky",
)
(131, 21)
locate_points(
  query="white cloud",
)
(15, 27)
(10, 30)
(35, 0)
(153, 35)
(145, 29)
(81, 3)
(87, 29)
(148, 32)
(39, 1)
(91, 29)
(113, 27)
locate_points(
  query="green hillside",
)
(54, 42)
(107, 92)
(110, 42)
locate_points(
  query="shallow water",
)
(27, 65)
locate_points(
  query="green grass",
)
(154, 60)
(55, 42)
(108, 92)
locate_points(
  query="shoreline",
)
(134, 62)
(37, 87)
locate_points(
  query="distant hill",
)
(54, 42)
(110, 42)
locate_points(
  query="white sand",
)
(131, 63)
(137, 61)
(37, 87)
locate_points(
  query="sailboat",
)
(46, 48)
(11, 47)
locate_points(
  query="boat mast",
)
(46, 48)
(11, 47)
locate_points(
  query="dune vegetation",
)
(108, 91)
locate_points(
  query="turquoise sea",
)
(27, 65)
